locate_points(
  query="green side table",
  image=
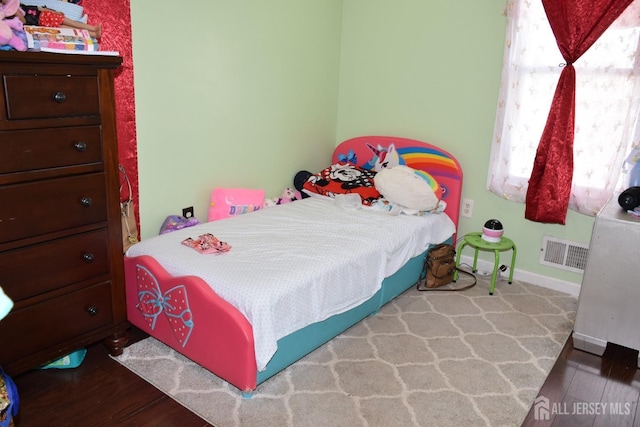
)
(475, 241)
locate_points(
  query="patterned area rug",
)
(426, 359)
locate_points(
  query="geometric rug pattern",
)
(425, 359)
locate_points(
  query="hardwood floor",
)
(580, 380)
(100, 392)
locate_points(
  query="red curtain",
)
(115, 18)
(576, 25)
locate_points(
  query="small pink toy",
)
(288, 195)
(207, 244)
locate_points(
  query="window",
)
(607, 123)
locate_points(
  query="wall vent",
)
(564, 254)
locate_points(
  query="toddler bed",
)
(296, 275)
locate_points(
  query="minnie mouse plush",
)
(288, 195)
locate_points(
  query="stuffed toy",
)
(409, 190)
(288, 195)
(177, 222)
(10, 26)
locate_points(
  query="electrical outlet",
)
(467, 208)
(187, 212)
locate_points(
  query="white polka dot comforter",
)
(299, 263)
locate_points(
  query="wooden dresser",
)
(60, 233)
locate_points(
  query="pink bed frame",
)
(211, 332)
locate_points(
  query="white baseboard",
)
(529, 277)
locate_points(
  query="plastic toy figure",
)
(44, 17)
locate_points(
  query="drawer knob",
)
(86, 201)
(81, 146)
(92, 310)
(59, 97)
(88, 258)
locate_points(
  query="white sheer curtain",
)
(607, 105)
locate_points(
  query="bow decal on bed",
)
(173, 303)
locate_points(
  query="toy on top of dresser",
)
(11, 29)
(46, 17)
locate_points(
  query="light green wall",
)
(256, 90)
(430, 70)
(245, 94)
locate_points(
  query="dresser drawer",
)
(49, 148)
(34, 328)
(46, 206)
(50, 96)
(70, 260)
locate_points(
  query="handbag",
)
(9, 400)
(127, 213)
(439, 268)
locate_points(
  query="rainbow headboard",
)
(375, 151)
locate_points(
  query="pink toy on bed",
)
(288, 195)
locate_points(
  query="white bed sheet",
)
(296, 264)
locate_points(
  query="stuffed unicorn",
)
(384, 158)
(11, 26)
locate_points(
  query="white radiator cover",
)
(610, 293)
